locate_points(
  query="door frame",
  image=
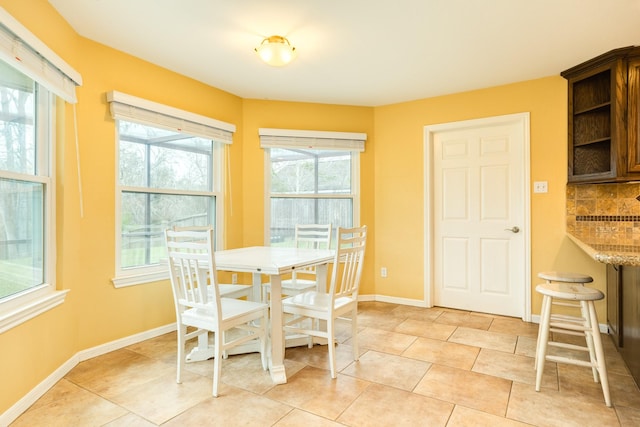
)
(429, 132)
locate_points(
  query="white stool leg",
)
(588, 335)
(542, 310)
(597, 342)
(543, 339)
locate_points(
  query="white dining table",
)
(274, 262)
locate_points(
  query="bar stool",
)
(587, 326)
(566, 277)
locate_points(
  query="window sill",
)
(140, 278)
(26, 307)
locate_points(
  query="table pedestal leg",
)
(276, 362)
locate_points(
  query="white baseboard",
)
(38, 391)
(394, 300)
(123, 342)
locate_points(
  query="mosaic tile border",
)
(611, 218)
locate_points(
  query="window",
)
(166, 177)
(313, 178)
(25, 111)
(31, 79)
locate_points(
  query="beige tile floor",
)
(418, 367)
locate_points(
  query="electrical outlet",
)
(383, 272)
(234, 278)
(540, 187)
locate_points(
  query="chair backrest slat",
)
(192, 267)
(311, 236)
(349, 260)
(196, 228)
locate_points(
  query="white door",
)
(479, 205)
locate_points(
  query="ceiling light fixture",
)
(276, 51)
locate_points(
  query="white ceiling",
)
(360, 52)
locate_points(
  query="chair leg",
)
(217, 362)
(263, 341)
(315, 324)
(182, 330)
(354, 334)
(332, 346)
(597, 343)
(543, 339)
(225, 355)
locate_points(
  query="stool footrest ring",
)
(568, 346)
(566, 318)
(566, 360)
(569, 326)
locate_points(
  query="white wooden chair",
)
(198, 304)
(312, 236)
(227, 290)
(342, 299)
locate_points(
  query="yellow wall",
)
(399, 174)
(95, 312)
(294, 115)
(391, 187)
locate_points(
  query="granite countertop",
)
(607, 253)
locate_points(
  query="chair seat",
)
(289, 287)
(232, 309)
(298, 284)
(316, 301)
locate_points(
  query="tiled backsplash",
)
(605, 213)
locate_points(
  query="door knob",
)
(514, 229)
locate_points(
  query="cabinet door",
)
(633, 115)
(630, 290)
(597, 103)
(613, 303)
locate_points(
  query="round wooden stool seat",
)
(565, 277)
(586, 326)
(569, 291)
(561, 276)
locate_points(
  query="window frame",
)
(162, 116)
(25, 52)
(317, 140)
(18, 308)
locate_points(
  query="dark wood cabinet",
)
(603, 140)
(613, 303)
(633, 113)
(630, 317)
(625, 298)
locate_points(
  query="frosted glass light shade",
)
(276, 51)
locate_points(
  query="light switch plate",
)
(540, 187)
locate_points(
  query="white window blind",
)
(24, 51)
(131, 108)
(311, 139)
